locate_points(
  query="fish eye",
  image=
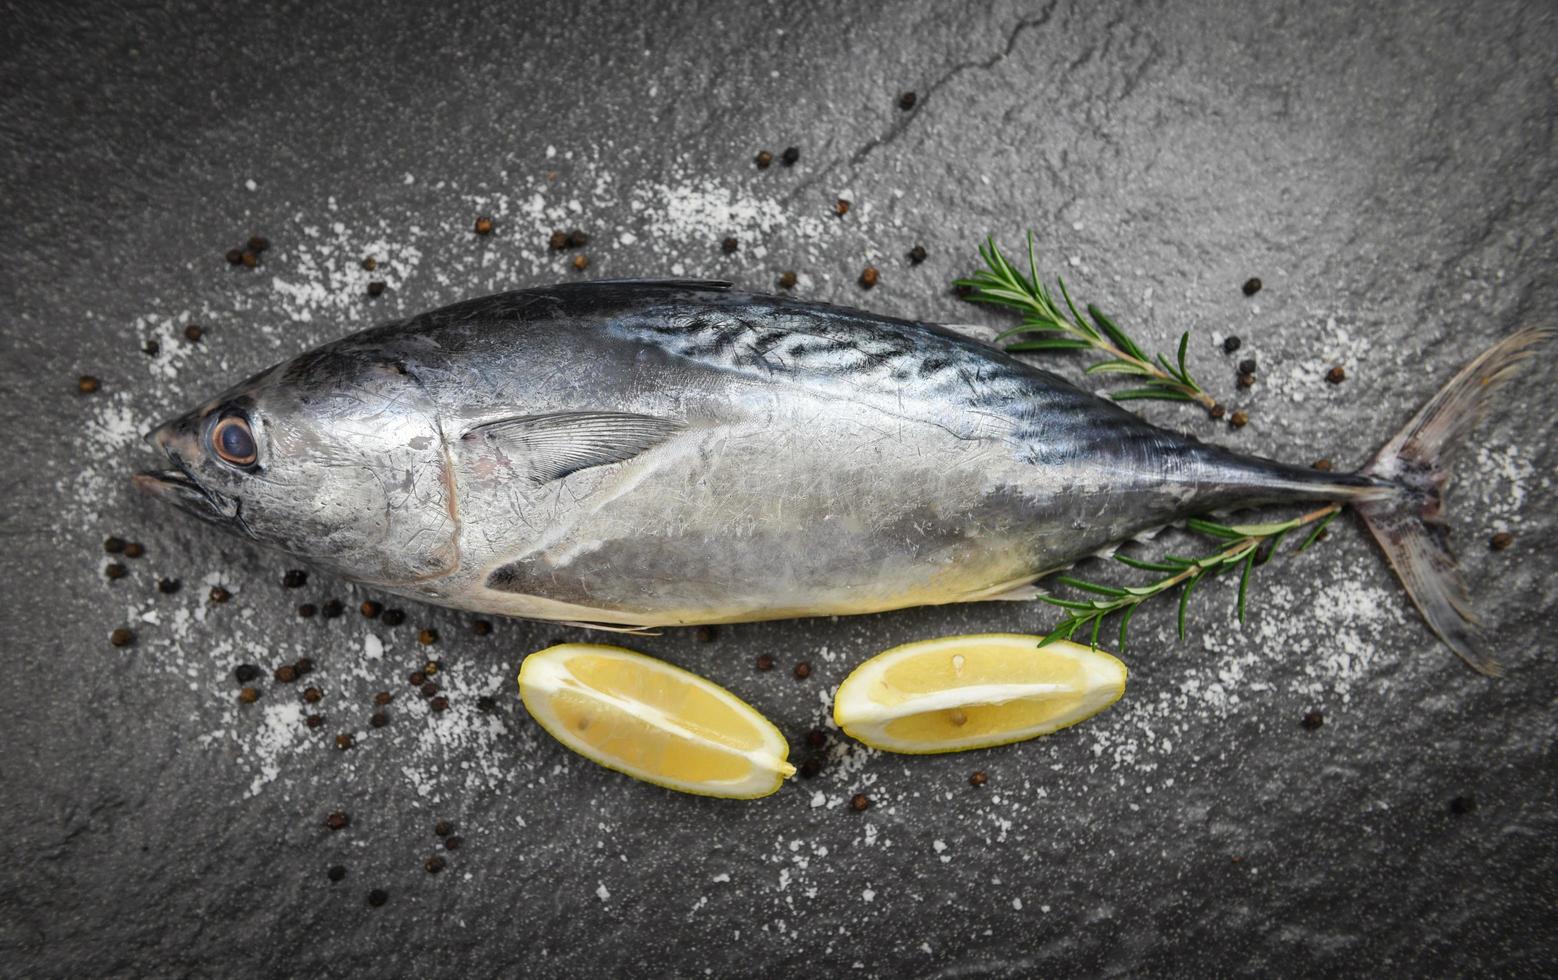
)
(232, 440)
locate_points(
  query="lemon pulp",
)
(650, 720)
(968, 692)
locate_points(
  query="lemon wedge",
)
(652, 721)
(972, 692)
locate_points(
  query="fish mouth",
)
(180, 488)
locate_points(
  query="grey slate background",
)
(1387, 169)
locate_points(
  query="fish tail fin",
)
(1410, 524)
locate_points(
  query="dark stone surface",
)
(1387, 170)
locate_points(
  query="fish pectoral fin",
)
(550, 447)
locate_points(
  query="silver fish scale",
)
(762, 337)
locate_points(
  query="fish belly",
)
(813, 510)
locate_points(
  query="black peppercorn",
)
(193, 333)
(114, 546)
(307, 610)
(378, 897)
(378, 719)
(729, 245)
(376, 287)
(481, 628)
(1232, 344)
(393, 617)
(168, 586)
(434, 864)
(258, 243)
(1462, 805)
(791, 155)
(336, 873)
(115, 570)
(453, 843)
(1313, 719)
(332, 609)
(907, 100)
(234, 256)
(558, 241)
(443, 828)
(577, 239)
(1251, 286)
(816, 738)
(439, 703)
(917, 254)
(1247, 366)
(295, 578)
(244, 673)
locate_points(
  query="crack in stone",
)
(902, 125)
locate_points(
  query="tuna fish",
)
(659, 453)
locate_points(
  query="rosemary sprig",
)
(1001, 284)
(1247, 545)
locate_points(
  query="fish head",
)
(335, 457)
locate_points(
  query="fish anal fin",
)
(611, 628)
(552, 446)
(1022, 593)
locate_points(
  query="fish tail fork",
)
(1410, 525)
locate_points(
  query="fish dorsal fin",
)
(709, 285)
(975, 331)
(549, 447)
